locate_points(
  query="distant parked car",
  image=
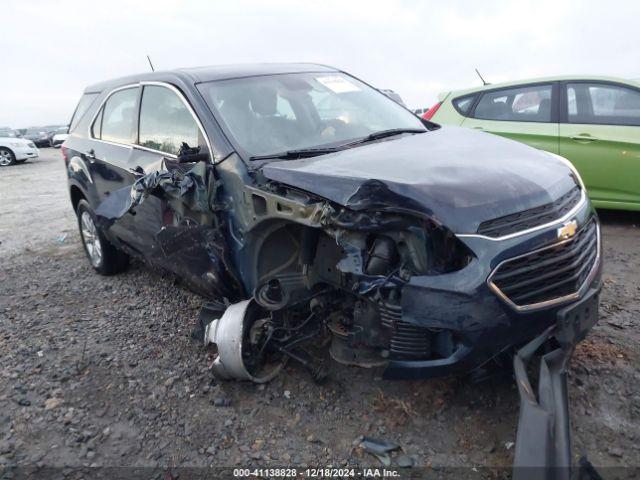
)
(420, 111)
(393, 95)
(6, 132)
(592, 121)
(58, 136)
(38, 135)
(15, 150)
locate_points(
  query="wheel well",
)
(8, 149)
(76, 196)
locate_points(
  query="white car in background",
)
(59, 136)
(16, 150)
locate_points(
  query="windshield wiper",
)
(388, 133)
(313, 152)
(300, 153)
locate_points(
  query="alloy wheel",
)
(5, 158)
(91, 240)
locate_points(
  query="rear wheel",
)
(103, 256)
(6, 157)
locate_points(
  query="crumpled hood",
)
(458, 176)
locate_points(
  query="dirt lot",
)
(102, 371)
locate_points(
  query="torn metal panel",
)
(200, 255)
(191, 187)
(191, 244)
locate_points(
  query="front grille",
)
(534, 217)
(407, 341)
(549, 273)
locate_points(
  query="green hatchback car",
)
(592, 121)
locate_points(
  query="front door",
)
(600, 135)
(178, 232)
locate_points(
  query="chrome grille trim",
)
(558, 300)
(567, 216)
(532, 217)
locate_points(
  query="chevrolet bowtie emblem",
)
(568, 230)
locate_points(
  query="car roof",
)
(556, 78)
(212, 73)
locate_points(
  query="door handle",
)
(478, 128)
(583, 138)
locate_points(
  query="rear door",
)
(600, 135)
(113, 131)
(527, 113)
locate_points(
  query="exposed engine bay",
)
(335, 280)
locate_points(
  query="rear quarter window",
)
(83, 105)
(463, 104)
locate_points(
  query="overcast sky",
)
(52, 50)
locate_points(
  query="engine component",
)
(342, 350)
(407, 341)
(271, 295)
(233, 334)
(383, 256)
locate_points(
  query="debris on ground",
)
(381, 449)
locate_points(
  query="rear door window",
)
(116, 121)
(520, 104)
(165, 121)
(603, 104)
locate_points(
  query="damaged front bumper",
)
(469, 317)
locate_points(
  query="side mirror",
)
(188, 154)
(193, 157)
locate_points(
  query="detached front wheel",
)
(103, 256)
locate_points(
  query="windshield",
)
(7, 133)
(275, 113)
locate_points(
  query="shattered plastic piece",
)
(543, 439)
(405, 461)
(379, 449)
(221, 402)
(544, 435)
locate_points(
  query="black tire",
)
(109, 260)
(7, 157)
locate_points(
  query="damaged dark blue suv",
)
(310, 209)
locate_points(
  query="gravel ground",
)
(102, 370)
